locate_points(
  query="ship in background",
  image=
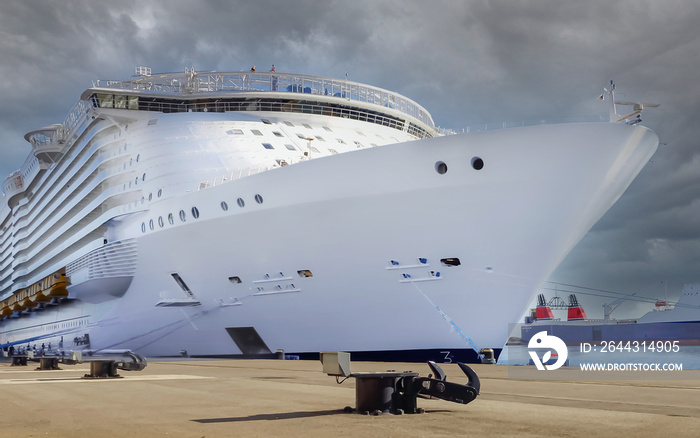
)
(665, 322)
(242, 213)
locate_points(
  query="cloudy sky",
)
(468, 62)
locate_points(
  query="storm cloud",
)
(472, 64)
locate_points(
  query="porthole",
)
(150, 197)
(235, 279)
(150, 225)
(143, 178)
(224, 206)
(195, 212)
(182, 215)
(143, 227)
(171, 220)
(441, 167)
(138, 156)
(160, 192)
(258, 199)
(477, 163)
(240, 202)
(160, 221)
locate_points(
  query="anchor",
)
(398, 392)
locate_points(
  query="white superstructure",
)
(246, 212)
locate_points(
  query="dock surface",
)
(268, 398)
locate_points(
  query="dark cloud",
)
(471, 63)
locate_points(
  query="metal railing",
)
(192, 83)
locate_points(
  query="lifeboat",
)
(5, 310)
(17, 301)
(57, 285)
(58, 291)
(50, 287)
(40, 297)
(35, 295)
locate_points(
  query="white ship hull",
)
(346, 217)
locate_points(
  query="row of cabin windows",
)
(257, 132)
(313, 149)
(195, 214)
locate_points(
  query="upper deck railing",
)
(192, 83)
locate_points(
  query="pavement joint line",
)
(126, 379)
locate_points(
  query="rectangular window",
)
(106, 100)
(120, 101)
(256, 132)
(290, 147)
(267, 146)
(277, 134)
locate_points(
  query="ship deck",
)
(294, 398)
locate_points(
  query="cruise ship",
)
(240, 214)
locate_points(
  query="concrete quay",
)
(266, 398)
